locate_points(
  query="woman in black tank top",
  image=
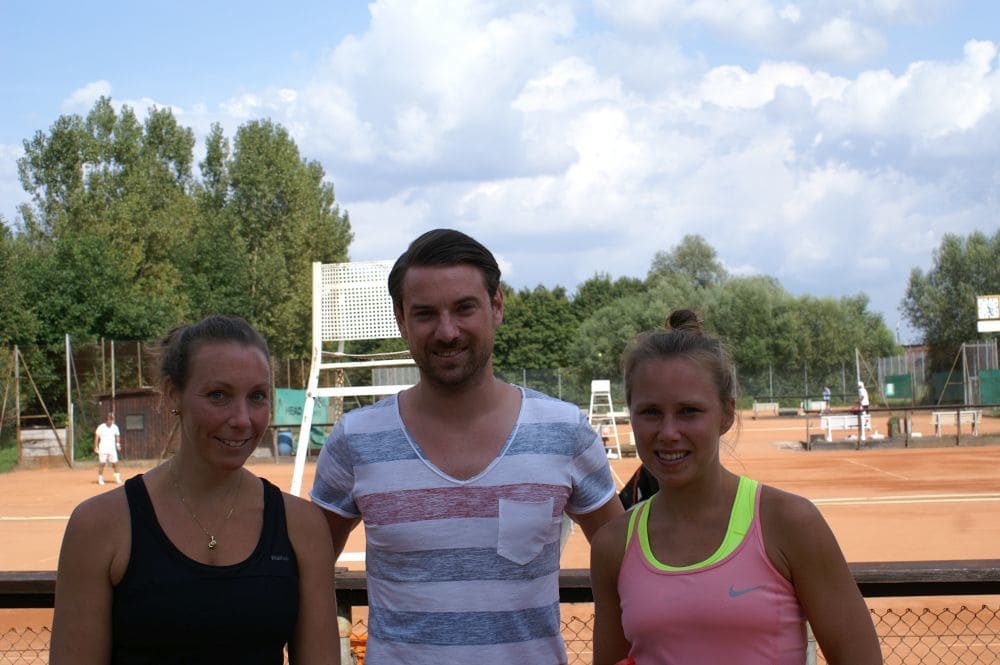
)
(198, 560)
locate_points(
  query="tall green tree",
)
(213, 263)
(18, 322)
(758, 320)
(602, 336)
(599, 291)
(692, 260)
(111, 206)
(285, 216)
(941, 303)
(538, 329)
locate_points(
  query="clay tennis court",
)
(931, 501)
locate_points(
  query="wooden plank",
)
(976, 577)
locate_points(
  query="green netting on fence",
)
(898, 386)
(989, 386)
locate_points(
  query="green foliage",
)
(8, 458)
(19, 323)
(602, 336)
(599, 291)
(111, 205)
(538, 329)
(764, 327)
(121, 242)
(942, 303)
(693, 260)
(286, 217)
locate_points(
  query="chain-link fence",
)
(28, 646)
(964, 634)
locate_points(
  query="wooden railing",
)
(980, 577)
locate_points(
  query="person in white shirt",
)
(863, 401)
(107, 444)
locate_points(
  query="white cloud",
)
(567, 84)
(10, 185)
(841, 39)
(930, 102)
(82, 99)
(575, 147)
(735, 87)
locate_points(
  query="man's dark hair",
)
(444, 247)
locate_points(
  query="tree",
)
(942, 303)
(18, 323)
(287, 218)
(599, 291)
(692, 260)
(111, 206)
(538, 329)
(215, 281)
(603, 335)
(758, 320)
(764, 327)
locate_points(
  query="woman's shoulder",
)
(308, 532)
(99, 529)
(101, 511)
(302, 514)
(612, 534)
(791, 527)
(785, 508)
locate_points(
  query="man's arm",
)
(594, 520)
(340, 529)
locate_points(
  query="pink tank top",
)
(733, 608)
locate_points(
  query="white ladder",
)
(601, 415)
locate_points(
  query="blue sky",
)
(826, 143)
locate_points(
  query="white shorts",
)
(108, 458)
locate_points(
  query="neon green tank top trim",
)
(739, 524)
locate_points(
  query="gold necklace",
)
(212, 542)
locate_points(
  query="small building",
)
(147, 428)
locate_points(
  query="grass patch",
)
(8, 458)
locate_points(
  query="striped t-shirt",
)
(464, 571)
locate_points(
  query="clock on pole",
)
(988, 310)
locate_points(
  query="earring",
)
(175, 412)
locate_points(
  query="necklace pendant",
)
(212, 542)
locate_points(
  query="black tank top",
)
(171, 609)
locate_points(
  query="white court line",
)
(913, 498)
(778, 429)
(875, 468)
(351, 556)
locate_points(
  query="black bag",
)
(639, 487)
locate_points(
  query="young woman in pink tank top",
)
(713, 568)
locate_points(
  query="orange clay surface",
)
(933, 500)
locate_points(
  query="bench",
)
(845, 421)
(813, 406)
(762, 407)
(968, 417)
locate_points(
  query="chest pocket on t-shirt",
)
(525, 528)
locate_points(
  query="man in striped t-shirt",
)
(461, 480)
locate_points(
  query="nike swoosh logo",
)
(736, 593)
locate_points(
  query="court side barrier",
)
(962, 633)
(965, 418)
(972, 577)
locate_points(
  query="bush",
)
(8, 458)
